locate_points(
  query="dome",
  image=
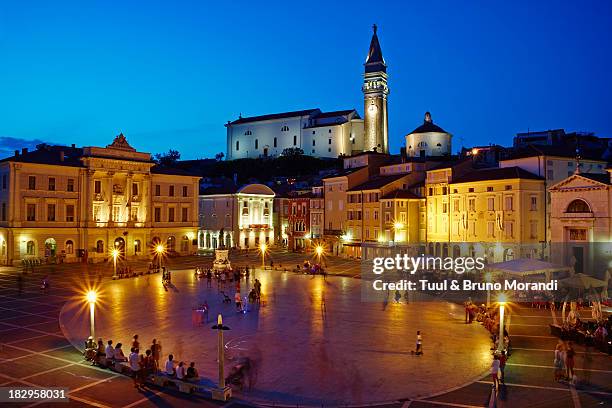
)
(428, 126)
(259, 189)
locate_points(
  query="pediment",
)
(577, 181)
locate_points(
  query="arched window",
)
(30, 248)
(237, 145)
(256, 144)
(185, 244)
(422, 144)
(274, 142)
(99, 246)
(171, 244)
(285, 128)
(578, 206)
(69, 247)
(137, 246)
(248, 133)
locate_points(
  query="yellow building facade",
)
(497, 213)
(70, 204)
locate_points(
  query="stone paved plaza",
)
(345, 352)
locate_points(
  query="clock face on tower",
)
(372, 109)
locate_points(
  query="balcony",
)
(332, 232)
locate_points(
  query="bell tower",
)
(375, 93)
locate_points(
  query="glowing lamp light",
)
(474, 151)
(502, 299)
(398, 225)
(319, 250)
(91, 296)
(115, 253)
(159, 249)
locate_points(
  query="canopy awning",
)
(526, 267)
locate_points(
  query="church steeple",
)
(375, 61)
(375, 91)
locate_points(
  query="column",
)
(109, 195)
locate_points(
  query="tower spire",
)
(375, 61)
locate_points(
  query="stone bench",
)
(202, 385)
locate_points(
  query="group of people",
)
(498, 368)
(564, 362)
(141, 365)
(180, 371)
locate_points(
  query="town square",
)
(306, 205)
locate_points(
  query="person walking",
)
(502, 365)
(135, 342)
(558, 362)
(155, 354)
(569, 361)
(495, 370)
(134, 362)
(419, 344)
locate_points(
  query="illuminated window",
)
(69, 247)
(100, 246)
(30, 248)
(70, 213)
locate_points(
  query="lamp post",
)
(159, 249)
(502, 303)
(91, 297)
(115, 253)
(488, 280)
(222, 392)
(263, 248)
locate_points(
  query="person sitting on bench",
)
(109, 351)
(118, 354)
(192, 373)
(170, 371)
(180, 371)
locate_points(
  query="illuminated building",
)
(581, 213)
(298, 221)
(317, 212)
(316, 133)
(75, 204)
(244, 215)
(428, 140)
(494, 212)
(375, 92)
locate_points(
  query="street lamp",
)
(222, 392)
(263, 248)
(91, 298)
(502, 302)
(319, 251)
(115, 254)
(159, 249)
(397, 226)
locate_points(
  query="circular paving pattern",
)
(313, 341)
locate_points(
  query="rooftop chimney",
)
(24, 150)
(62, 155)
(16, 153)
(73, 146)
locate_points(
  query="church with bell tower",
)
(375, 92)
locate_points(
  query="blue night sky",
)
(170, 74)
